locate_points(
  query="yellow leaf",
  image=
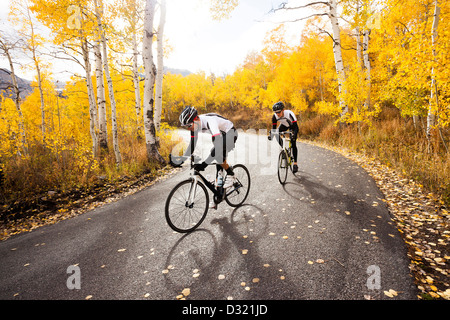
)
(186, 292)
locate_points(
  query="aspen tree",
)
(160, 70)
(6, 47)
(434, 100)
(149, 84)
(98, 12)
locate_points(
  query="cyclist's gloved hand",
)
(200, 166)
(176, 161)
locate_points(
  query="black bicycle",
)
(188, 202)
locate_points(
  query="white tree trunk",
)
(137, 91)
(149, 84)
(160, 71)
(5, 48)
(91, 96)
(431, 117)
(367, 66)
(337, 51)
(101, 102)
(110, 87)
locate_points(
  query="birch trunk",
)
(337, 51)
(149, 84)
(16, 99)
(112, 99)
(367, 66)
(431, 117)
(41, 96)
(160, 71)
(33, 47)
(101, 101)
(91, 96)
(137, 90)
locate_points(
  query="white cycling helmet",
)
(188, 115)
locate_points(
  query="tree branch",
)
(282, 6)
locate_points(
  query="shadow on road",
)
(234, 254)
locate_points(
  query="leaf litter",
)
(422, 219)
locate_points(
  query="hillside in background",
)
(6, 85)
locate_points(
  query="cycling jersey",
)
(223, 133)
(215, 124)
(287, 120)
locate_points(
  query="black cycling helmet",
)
(278, 106)
(188, 115)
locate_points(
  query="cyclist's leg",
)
(281, 128)
(294, 152)
(229, 144)
(294, 147)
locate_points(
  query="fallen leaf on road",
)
(391, 293)
(186, 292)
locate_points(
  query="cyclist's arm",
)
(274, 126)
(274, 122)
(294, 125)
(295, 128)
(190, 149)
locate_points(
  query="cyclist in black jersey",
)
(288, 121)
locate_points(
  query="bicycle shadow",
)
(232, 251)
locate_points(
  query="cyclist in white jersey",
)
(286, 119)
(224, 137)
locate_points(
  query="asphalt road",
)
(326, 234)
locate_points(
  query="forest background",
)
(374, 79)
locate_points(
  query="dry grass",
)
(397, 143)
(28, 179)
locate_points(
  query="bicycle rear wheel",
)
(181, 214)
(238, 192)
(283, 167)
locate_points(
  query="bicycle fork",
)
(192, 193)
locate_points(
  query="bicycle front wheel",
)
(283, 167)
(186, 206)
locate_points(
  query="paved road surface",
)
(315, 238)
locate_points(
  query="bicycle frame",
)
(285, 135)
(218, 192)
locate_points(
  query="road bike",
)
(285, 158)
(188, 202)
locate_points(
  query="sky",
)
(201, 44)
